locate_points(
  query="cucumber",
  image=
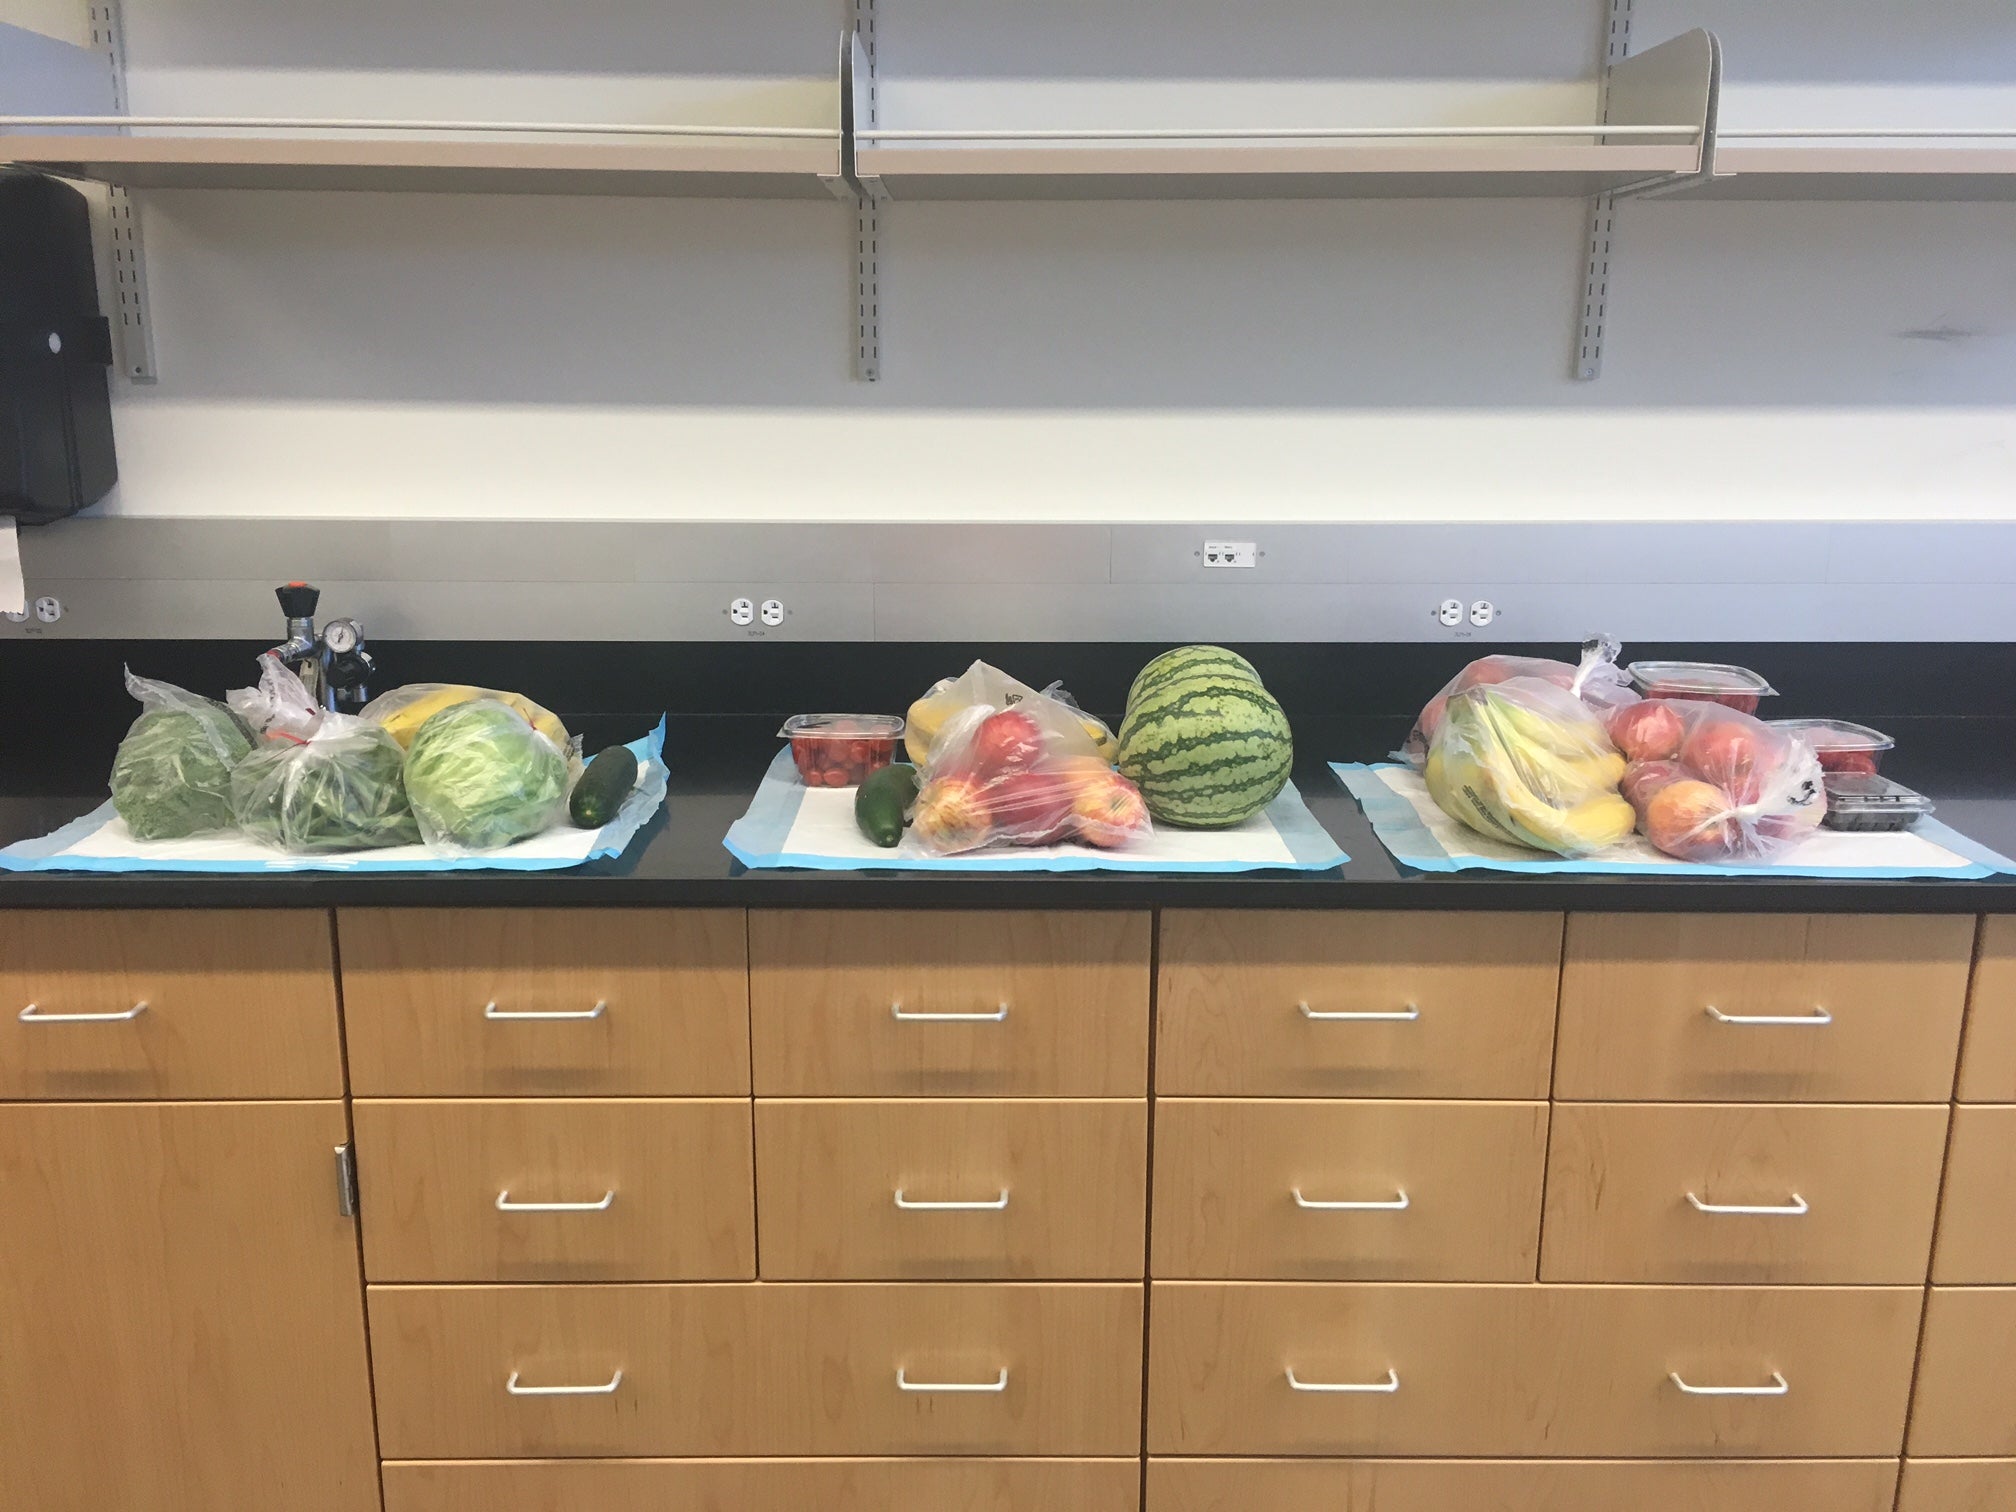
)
(881, 802)
(603, 787)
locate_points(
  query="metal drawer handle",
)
(1796, 1208)
(506, 1205)
(515, 1389)
(998, 1384)
(1817, 1019)
(903, 1016)
(30, 1015)
(1405, 1015)
(1355, 1388)
(1399, 1204)
(1779, 1387)
(528, 1016)
(911, 1204)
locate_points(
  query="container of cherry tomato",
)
(839, 750)
(1737, 688)
(1841, 746)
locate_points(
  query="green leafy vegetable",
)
(338, 792)
(172, 776)
(479, 776)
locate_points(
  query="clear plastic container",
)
(1841, 746)
(839, 750)
(1864, 802)
(1705, 682)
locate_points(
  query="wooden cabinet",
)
(1977, 1219)
(1761, 1007)
(965, 1368)
(1570, 1371)
(892, 1004)
(1736, 1192)
(181, 1315)
(1966, 1374)
(1518, 1486)
(550, 1189)
(834, 1485)
(1966, 1485)
(994, 1189)
(1357, 1004)
(548, 1002)
(1395, 1191)
(137, 1005)
(1988, 1062)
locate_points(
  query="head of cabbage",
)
(343, 789)
(479, 776)
(172, 776)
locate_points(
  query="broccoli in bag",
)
(172, 776)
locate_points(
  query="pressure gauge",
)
(341, 636)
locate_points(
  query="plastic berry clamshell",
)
(1841, 746)
(1705, 682)
(1868, 804)
(839, 750)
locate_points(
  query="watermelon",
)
(1208, 751)
(1186, 661)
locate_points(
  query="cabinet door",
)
(182, 1311)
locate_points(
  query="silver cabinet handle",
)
(911, 1204)
(32, 1015)
(506, 1205)
(1796, 1208)
(1405, 1015)
(1354, 1388)
(903, 1015)
(989, 1388)
(532, 1016)
(1819, 1018)
(515, 1389)
(1779, 1387)
(1397, 1204)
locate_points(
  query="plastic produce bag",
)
(1714, 784)
(479, 775)
(1020, 772)
(317, 782)
(1525, 761)
(1598, 681)
(981, 685)
(172, 776)
(404, 710)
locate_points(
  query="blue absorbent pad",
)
(1417, 832)
(791, 825)
(100, 842)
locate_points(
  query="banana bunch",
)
(403, 710)
(1518, 765)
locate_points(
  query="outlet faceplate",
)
(742, 611)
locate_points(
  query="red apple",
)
(952, 815)
(1643, 779)
(1110, 813)
(1007, 741)
(1727, 752)
(1032, 808)
(1691, 820)
(1648, 731)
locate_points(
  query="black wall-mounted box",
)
(56, 454)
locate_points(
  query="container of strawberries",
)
(839, 750)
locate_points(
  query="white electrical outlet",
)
(1483, 612)
(773, 612)
(48, 610)
(1450, 612)
(742, 611)
(1231, 554)
(15, 616)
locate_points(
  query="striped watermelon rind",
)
(1185, 662)
(1208, 752)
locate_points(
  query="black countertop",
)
(1964, 764)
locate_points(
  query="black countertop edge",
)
(678, 859)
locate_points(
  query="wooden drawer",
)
(1977, 1219)
(1446, 1191)
(177, 1005)
(1623, 1182)
(474, 1002)
(516, 1191)
(1958, 1486)
(1966, 1375)
(1002, 1189)
(1812, 1007)
(854, 1485)
(890, 1004)
(1513, 1486)
(1988, 1064)
(758, 1370)
(1527, 1370)
(1417, 1004)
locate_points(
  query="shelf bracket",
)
(1602, 216)
(135, 323)
(860, 106)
